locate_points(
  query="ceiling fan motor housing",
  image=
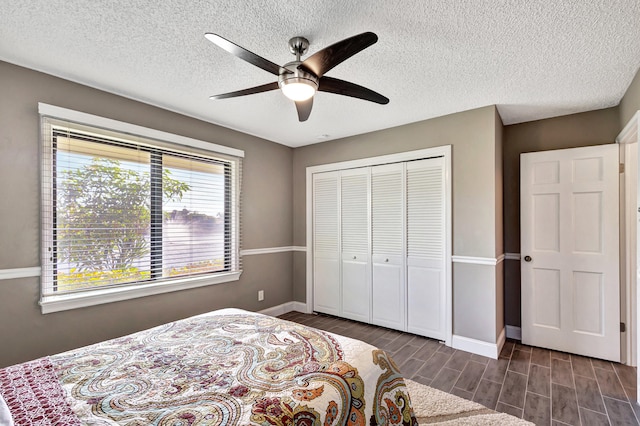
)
(290, 73)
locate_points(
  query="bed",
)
(227, 367)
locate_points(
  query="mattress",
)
(227, 367)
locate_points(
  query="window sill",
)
(66, 302)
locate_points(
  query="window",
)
(126, 215)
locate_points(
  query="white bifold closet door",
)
(426, 233)
(387, 246)
(326, 243)
(356, 269)
(379, 247)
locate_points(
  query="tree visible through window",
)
(130, 214)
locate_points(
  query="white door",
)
(426, 234)
(326, 243)
(356, 269)
(570, 253)
(387, 246)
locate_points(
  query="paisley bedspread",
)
(227, 367)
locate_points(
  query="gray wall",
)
(267, 216)
(472, 134)
(570, 131)
(477, 206)
(274, 198)
(630, 103)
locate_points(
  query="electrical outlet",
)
(260, 295)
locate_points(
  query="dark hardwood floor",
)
(539, 385)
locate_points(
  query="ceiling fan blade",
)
(258, 89)
(243, 53)
(341, 87)
(324, 60)
(304, 109)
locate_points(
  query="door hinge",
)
(623, 327)
(621, 167)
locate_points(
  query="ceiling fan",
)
(299, 80)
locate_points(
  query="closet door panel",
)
(387, 231)
(426, 291)
(326, 285)
(388, 296)
(354, 215)
(355, 289)
(326, 243)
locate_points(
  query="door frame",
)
(441, 151)
(630, 244)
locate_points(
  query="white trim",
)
(514, 332)
(309, 223)
(629, 138)
(512, 256)
(479, 347)
(629, 247)
(449, 243)
(478, 260)
(441, 151)
(629, 196)
(630, 132)
(121, 126)
(299, 306)
(269, 250)
(8, 274)
(68, 301)
(283, 308)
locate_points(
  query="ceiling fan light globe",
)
(298, 89)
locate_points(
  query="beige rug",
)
(432, 406)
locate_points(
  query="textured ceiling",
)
(534, 59)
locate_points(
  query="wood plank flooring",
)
(539, 385)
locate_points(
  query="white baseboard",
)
(479, 347)
(299, 307)
(514, 332)
(274, 311)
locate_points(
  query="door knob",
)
(527, 258)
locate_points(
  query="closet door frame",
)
(441, 151)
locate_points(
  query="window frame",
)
(53, 116)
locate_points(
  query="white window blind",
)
(125, 210)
